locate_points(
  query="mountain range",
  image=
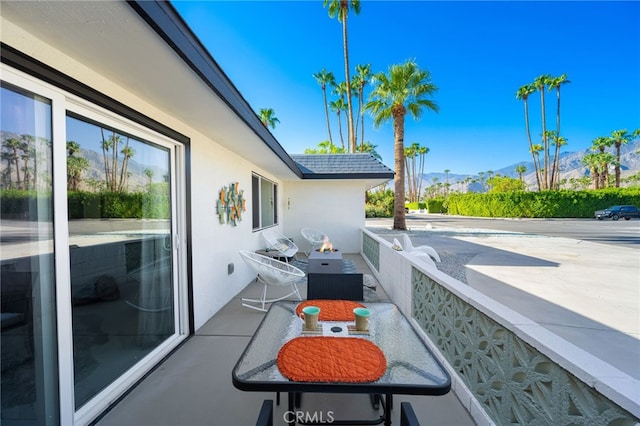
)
(570, 167)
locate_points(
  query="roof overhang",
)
(361, 166)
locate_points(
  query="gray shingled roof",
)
(341, 166)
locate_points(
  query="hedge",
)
(17, 204)
(545, 204)
(416, 206)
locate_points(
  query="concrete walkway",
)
(586, 293)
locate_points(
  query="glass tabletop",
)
(411, 367)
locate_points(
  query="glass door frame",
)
(61, 101)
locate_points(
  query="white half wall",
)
(336, 207)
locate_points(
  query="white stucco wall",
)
(335, 207)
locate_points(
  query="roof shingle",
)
(341, 166)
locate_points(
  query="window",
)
(265, 202)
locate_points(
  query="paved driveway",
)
(624, 233)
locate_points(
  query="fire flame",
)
(326, 245)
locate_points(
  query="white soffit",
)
(110, 38)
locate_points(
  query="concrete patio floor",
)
(193, 386)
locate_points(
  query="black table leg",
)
(291, 404)
(389, 407)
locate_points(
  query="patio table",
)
(411, 368)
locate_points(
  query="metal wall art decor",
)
(231, 203)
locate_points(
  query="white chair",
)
(408, 246)
(419, 255)
(315, 238)
(271, 272)
(276, 241)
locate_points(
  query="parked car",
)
(616, 212)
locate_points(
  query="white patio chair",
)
(276, 241)
(419, 255)
(315, 238)
(271, 272)
(408, 246)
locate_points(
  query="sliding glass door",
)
(120, 246)
(28, 341)
(93, 275)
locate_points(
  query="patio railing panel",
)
(371, 249)
(514, 382)
(506, 368)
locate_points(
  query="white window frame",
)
(257, 207)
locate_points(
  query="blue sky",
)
(478, 53)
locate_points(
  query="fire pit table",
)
(325, 262)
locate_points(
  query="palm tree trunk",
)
(358, 121)
(556, 161)
(533, 155)
(326, 112)
(105, 159)
(16, 161)
(407, 170)
(340, 130)
(351, 134)
(617, 167)
(415, 178)
(420, 177)
(114, 164)
(362, 117)
(399, 222)
(545, 141)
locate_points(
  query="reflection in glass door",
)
(28, 341)
(120, 241)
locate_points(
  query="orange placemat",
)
(331, 359)
(332, 310)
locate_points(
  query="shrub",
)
(545, 204)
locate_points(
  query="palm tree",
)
(598, 163)
(404, 90)
(268, 117)
(535, 153)
(323, 78)
(556, 83)
(521, 169)
(325, 147)
(371, 149)
(127, 153)
(558, 142)
(340, 9)
(75, 167)
(523, 94)
(340, 105)
(422, 151)
(149, 174)
(363, 73)
(73, 147)
(410, 169)
(14, 145)
(601, 144)
(446, 174)
(540, 83)
(619, 138)
(106, 146)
